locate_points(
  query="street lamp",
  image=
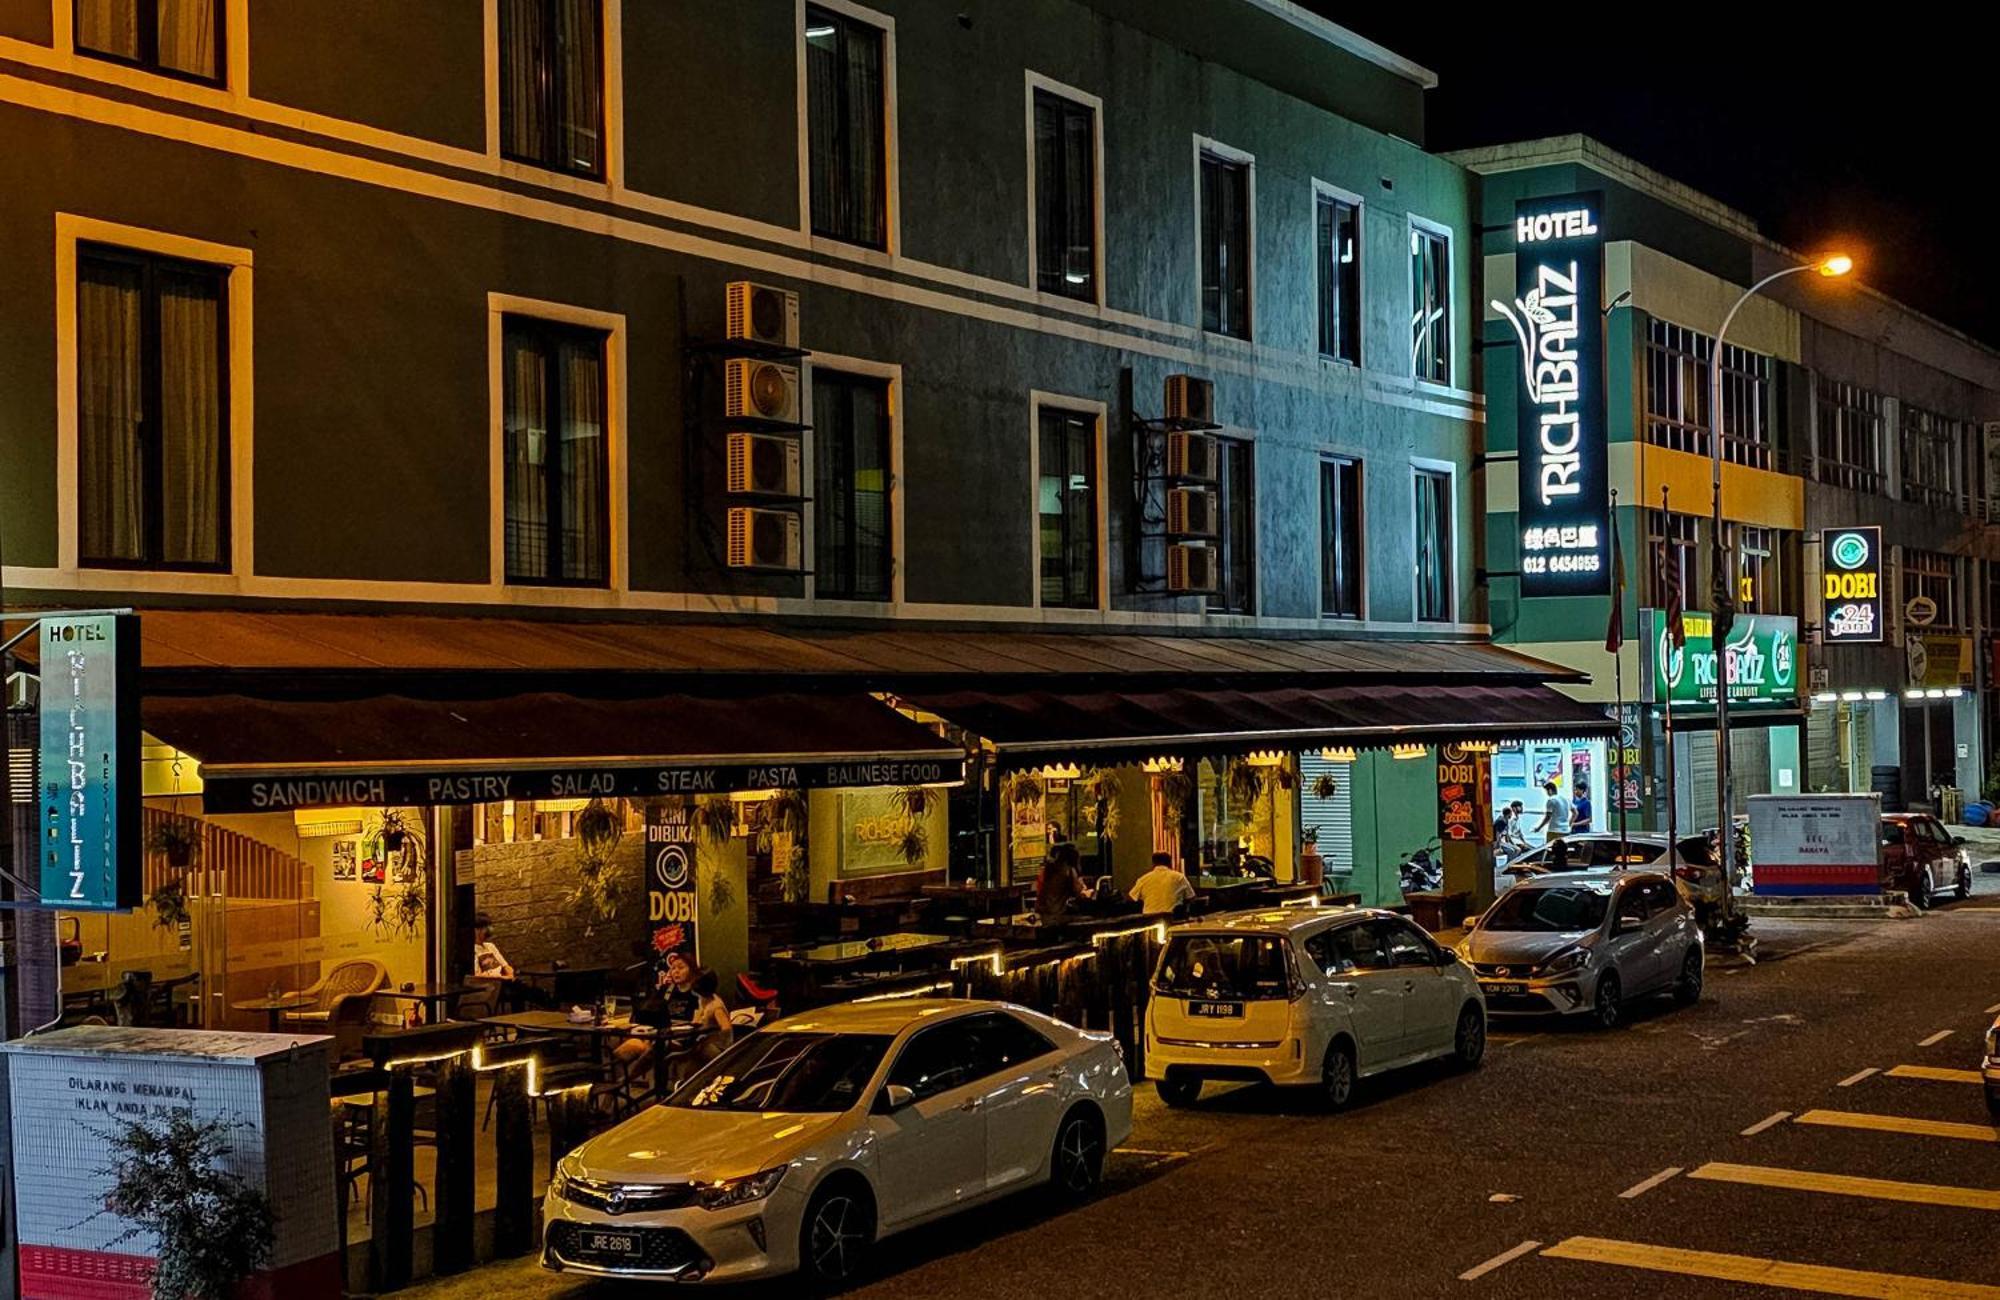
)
(1832, 266)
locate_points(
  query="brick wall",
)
(525, 888)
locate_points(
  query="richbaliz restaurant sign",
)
(227, 792)
(1557, 318)
(1763, 659)
(1851, 599)
(89, 841)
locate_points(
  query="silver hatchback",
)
(1584, 943)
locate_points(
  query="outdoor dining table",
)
(860, 951)
(678, 1034)
(436, 999)
(274, 1007)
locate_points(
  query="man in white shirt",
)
(488, 962)
(1162, 889)
(1555, 815)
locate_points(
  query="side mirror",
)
(1628, 923)
(892, 1098)
(1958, 839)
(1447, 957)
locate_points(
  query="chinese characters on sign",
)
(1851, 597)
(1557, 319)
(1465, 794)
(672, 903)
(90, 855)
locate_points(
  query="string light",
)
(1339, 754)
(1408, 751)
(1156, 766)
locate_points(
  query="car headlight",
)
(1563, 963)
(740, 1191)
(559, 1182)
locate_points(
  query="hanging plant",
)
(1024, 788)
(410, 907)
(788, 813)
(1244, 781)
(798, 876)
(168, 1181)
(1176, 793)
(715, 818)
(397, 831)
(721, 894)
(600, 826)
(915, 844)
(1284, 776)
(178, 840)
(596, 894)
(916, 801)
(170, 904)
(378, 909)
(1324, 786)
(1101, 788)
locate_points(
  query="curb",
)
(1894, 906)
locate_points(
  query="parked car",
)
(1692, 864)
(1923, 859)
(807, 1142)
(1303, 996)
(1584, 943)
(1991, 1069)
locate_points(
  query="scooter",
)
(1422, 872)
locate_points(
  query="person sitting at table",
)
(1162, 890)
(714, 1031)
(672, 1002)
(490, 965)
(1060, 887)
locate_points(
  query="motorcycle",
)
(1422, 872)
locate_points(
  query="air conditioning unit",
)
(762, 464)
(1194, 455)
(1192, 568)
(760, 390)
(1190, 400)
(764, 539)
(760, 314)
(1191, 512)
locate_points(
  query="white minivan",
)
(1305, 996)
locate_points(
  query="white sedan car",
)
(1305, 996)
(806, 1143)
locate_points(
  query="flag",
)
(1670, 592)
(1614, 635)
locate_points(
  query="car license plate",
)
(1217, 1010)
(1507, 990)
(611, 1243)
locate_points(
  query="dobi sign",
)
(672, 904)
(1851, 591)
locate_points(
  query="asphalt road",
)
(1671, 1157)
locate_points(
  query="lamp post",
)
(1724, 595)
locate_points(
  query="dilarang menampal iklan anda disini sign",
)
(1558, 319)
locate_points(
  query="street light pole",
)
(1835, 265)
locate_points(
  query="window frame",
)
(1097, 412)
(1420, 470)
(1323, 193)
(1329, 461)
(148, 21)
(1847, 417)
(553, 92)
(549, 335)
(1036, 83)
(1425, 227)
(1205, 148)
(1217, 601)
(890, 375)
(892, 208)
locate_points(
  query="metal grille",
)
(1677, 414)
(1933, 457)
(1847, 436)
(630, 1198)
(1927, 573)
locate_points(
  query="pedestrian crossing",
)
(1900, 1152)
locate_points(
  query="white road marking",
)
(1993, 1010)
(1858, 1076)
(1765, 1123)
(1144, 1151)
(1637, 1190)
(1936, 1038)
(1504, 1257)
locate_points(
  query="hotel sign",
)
(91, 858)
(1851, 591)
(1763, 659)
(1557, 318)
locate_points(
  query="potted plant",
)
(170, 904)
(915, 802)
(168, 1180)
(600, 826)
(715, 817)
(1312, 867)
(787, 813)
(178, 839)
(1324, 786)
(397, 829)
(410, 908)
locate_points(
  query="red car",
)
(1923, 859)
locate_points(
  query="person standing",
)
(1555, 815)
(1060, 887)
(1163, 889)
(1579, 810)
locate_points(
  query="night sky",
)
(1885, 148)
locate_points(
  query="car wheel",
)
(1469, 1043)
(838, 1234)
(1687, 990)
(1337, 1076)
(1964, 883)
(1177, 1091)
(1608, 1010)
(1920, 889)
(1076, 1165)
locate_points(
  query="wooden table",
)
(434, 998)
(555, 1023)
(853, 951)
(274, 1007)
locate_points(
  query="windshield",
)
(1581, 854)
(1556, 909)
(786, 1072)
(1237, 966)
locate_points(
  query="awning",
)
(260, 755)
(1099, 726)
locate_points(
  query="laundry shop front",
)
(1766, 717)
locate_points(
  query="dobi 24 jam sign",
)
(1558, 319)
(1851, 592)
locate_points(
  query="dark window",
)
(1340, 537)
(552, 84)
(846, 132)
(557, 470)
(787, 1073)
(1225, 246)
(1005, 1042)
(940, 1059)
(1929, 573)
(1339, 279)
(1066, 501)
(1236, 535)
(1223, 966)
(1406, 947)
(180, 38)
(152, 398)
(1679, 533)
(1350, 948)
(1065, 197)
(1848, 436)
(1433, 546)
(1430, 305)
(852, 558)
(1934, 457)
(1677, 393)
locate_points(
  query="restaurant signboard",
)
(1851, 594)
(1763, 659)
(672, 902)
(90, 853)
(1465, 794)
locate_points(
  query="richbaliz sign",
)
(89, 835)
(1556, 316)
(1851, 600)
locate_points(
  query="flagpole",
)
(1618, 680)
(1667, 697)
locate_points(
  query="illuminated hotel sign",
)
(1557, 319)
(1851, 594)
(89, 844)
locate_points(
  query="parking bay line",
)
(1636, 1190)
(1765, 1123)
(1936, 1074)
(1504, 1257)
(1936, 1038)
(1764, 1272)
(1857, 1077)
(1901, 1124)
(1880, 1189)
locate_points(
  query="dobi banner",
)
(671, 900)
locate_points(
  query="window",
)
(1762, 564)
(1927, 573)
(1656, 897)
(1340, 537)
(939, 1059)
(1933, 452)
(179, 38)
(552, 84)
(1005, 1042)
(1236, 533)
(1225, 245)
(1433, 546)
(1349, 948)
(846, 132)
(1217, 965)
(794, 1073)
(152, 411)
(1430, 305)
(1065, 197)
(1066, 501)
(1339, 261)
(1678, 534)
(1848, 436)
(557, 477)
(852, 541)
(1677, 382)
(1406, 947)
